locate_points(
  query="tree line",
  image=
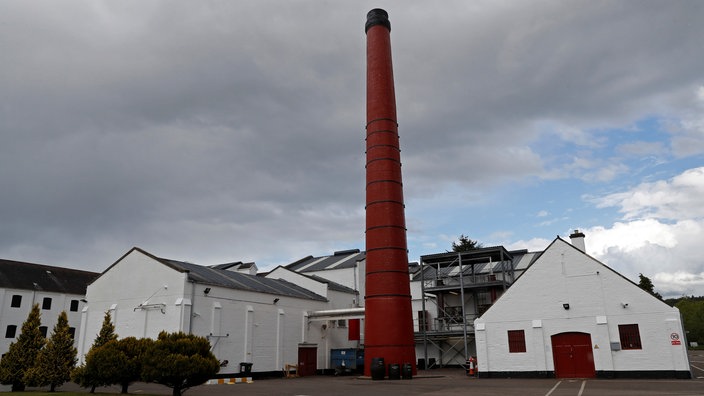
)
(177, 360)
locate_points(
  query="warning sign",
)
(675, 339)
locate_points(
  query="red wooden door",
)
(307, 360)
(573, 356)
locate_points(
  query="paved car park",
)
(442, 382)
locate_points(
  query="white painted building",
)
(55, 289)
(568, 315)
(248, 318)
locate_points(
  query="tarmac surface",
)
(446, 382)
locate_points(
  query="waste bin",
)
(245, 368)
(394, 371)
(407, 371)
(378, 368)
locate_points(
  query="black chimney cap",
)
(377, 16)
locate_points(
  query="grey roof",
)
(39, 277)
(238, 264)
(339, 260)
(332, 285)
(474, 256)
(237, 280)
(478, 261)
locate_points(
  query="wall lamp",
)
(207, 290)
(566, 306)
(276, 300)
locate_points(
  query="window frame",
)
(14, 331)
(46, 303)
(516, 341)
(16, 301)
(629, 336)
(74, 306)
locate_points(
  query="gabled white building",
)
(568, 315)
(55, 289)
(258, 320)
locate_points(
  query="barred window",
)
(516, 341)
(630, 336)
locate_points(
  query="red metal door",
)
(573, 356)
(307, 360)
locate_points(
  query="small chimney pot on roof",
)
(577, 239)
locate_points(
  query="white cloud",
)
(666, 253)
(674, 199)
(533, 245)
(660, 235)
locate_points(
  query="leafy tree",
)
(56, 360)
(692, 311)
(23, 353)
(645, 284)
(465, 244)
(85, 375)
(179, 361)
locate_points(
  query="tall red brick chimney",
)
(388, 321)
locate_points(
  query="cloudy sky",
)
(217, 131)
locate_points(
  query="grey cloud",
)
(219, 126)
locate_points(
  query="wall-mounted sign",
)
(675, 339)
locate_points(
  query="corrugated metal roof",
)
(39, 277)
(240, 281)
(449, 265)
(339, 260)
(332, 285)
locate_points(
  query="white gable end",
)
(564, 292)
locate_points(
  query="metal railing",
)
(446, 323)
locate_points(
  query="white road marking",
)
(553, 388)
(581, 389)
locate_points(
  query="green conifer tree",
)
(133, 350)
(465, 244)
(56, 360)
(87, 374)
(179, 361)
(107, 332)
(22, 354)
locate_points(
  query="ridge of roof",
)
(241, 281)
